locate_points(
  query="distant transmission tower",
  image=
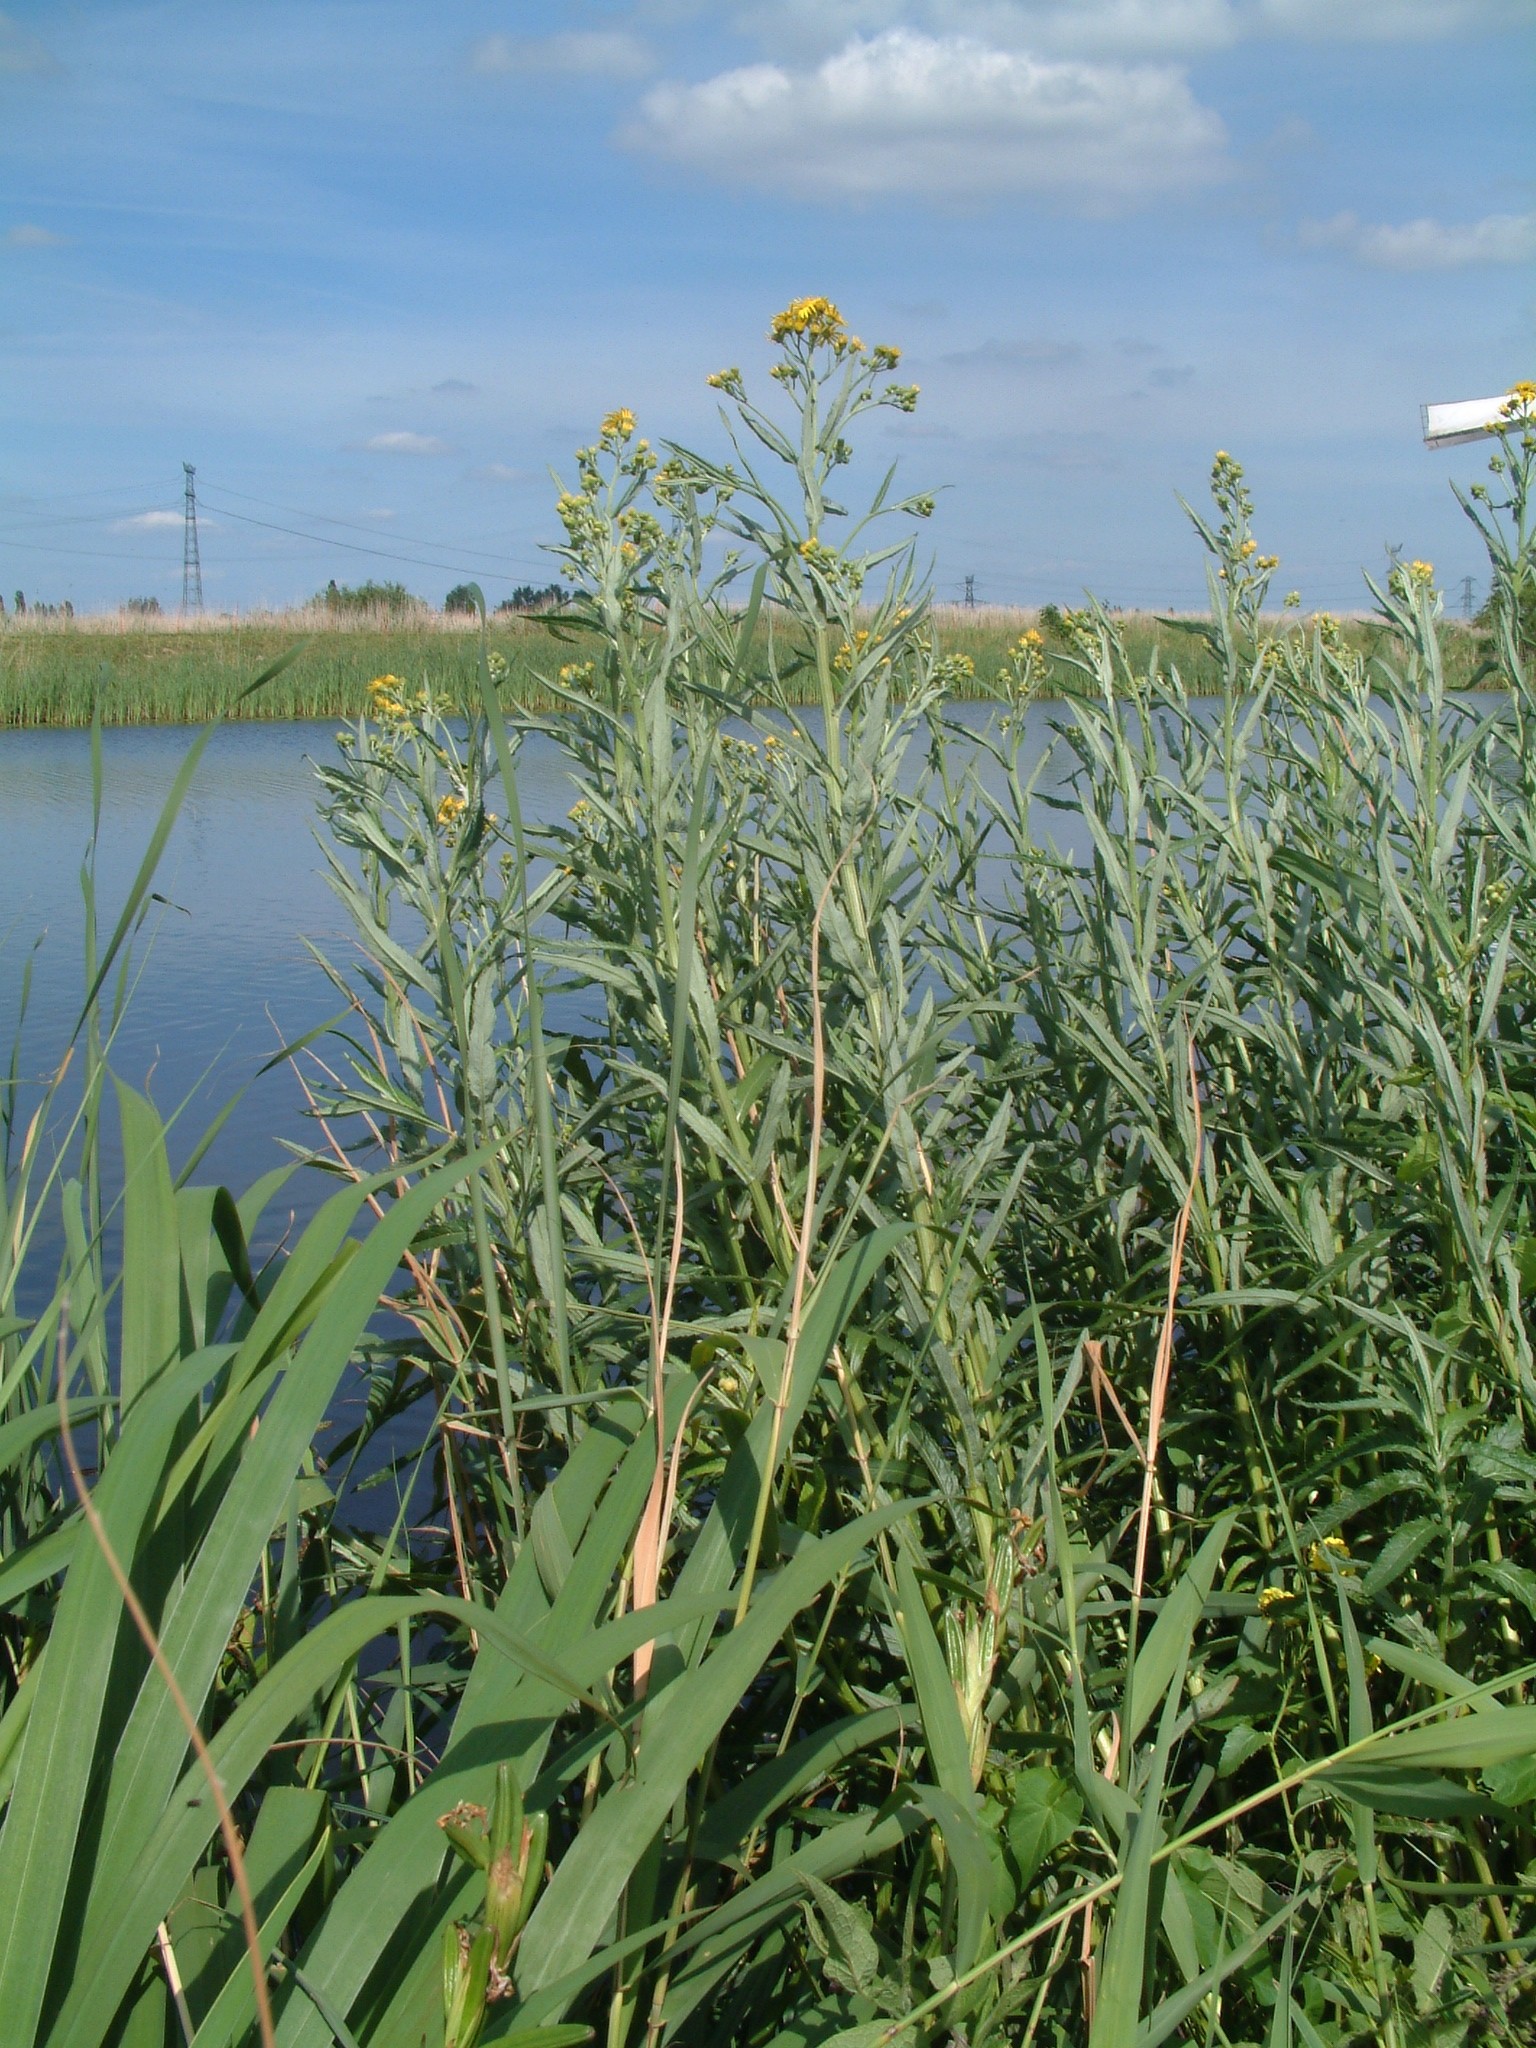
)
(970, 593)
(1467, 587)
(191, 561)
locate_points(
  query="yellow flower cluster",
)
(847, 655)
(1421, 572)
(386, 699)
(728, 381)
(817, 319)
(450, 810)
(1273, 1597)
(1521, 402)
(618, 425)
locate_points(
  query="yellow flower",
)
(1421, 572)
(1273, 1597)
(817, 319)
(619, 424)
(1521, 400)
(1322, 1555)
(450, 810)
(1249, 547)
(1031, 641)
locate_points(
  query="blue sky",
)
(375, 268)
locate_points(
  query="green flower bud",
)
(466, 1974)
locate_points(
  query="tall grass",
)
(967, 1414)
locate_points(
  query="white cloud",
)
(1120, 29)
(593, 53)
(402, 442)
(1427, 244)
(146, 522)
(941, 117)
(29, 236)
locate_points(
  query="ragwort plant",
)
(1236, 1037)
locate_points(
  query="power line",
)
(41, 547)
(352, 526)
(356, 547)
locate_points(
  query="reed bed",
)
(53, 672)
(962, 1431)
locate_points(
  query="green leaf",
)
(1397, 1553)
(1512, 1783)
(949, 1753)
(1043, 1814)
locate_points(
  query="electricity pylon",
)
(191, 561)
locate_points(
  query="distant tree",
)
(460, 599)
(21, 604)
(528, 599)
(365, 597)
(143, 607)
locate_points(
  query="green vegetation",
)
(959, 1425)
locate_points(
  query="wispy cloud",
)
(1119, 29)
(1427, 244)
(22, 52)
(28, 235)
(1040, 353)
(940, 117)
(455, 387)
(148, 522)
(593, 53)
(402, 442)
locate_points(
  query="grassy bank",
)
(174, 673)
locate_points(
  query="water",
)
(223, 971)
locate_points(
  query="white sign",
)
(1467, 419)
